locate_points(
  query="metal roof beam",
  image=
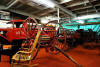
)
(13, 3)
(78, 3)
(47, 12)
(82, 8)
(85, 7)
(18, 12)
(93, 23)
(87, 11)
(64, 9)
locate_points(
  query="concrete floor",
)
(85, 57)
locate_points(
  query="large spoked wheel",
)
(57, 39)
(29, 27)
(30, 32)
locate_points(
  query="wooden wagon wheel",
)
(58, 39)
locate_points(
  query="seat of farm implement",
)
(25, 55)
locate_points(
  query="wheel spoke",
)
(58, 37)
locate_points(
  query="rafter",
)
(19, 12)
(64, 9)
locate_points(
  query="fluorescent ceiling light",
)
(81, 21)
(47, 19)
(64, 1)
(47, 3)
(88, 16)
(44, 21)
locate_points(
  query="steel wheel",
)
(58, 38)
(29, 27)
(30, 31)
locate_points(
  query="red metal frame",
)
(28, 32)
(13, 33)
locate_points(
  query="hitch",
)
(69, 57)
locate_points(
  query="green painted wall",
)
(85, 27)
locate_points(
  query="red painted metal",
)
(28, 31)
(13, 33)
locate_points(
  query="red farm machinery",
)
(27, 36)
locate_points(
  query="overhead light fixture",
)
(81, 21)
(64, 1)
(46, 3)
(48, 18)
(87, 16)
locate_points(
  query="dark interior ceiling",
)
(67, 9)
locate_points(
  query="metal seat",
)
(27, 54)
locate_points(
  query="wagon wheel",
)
(29, 27)
(59, 39)
(30, 32)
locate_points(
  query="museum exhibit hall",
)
(49, 33)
